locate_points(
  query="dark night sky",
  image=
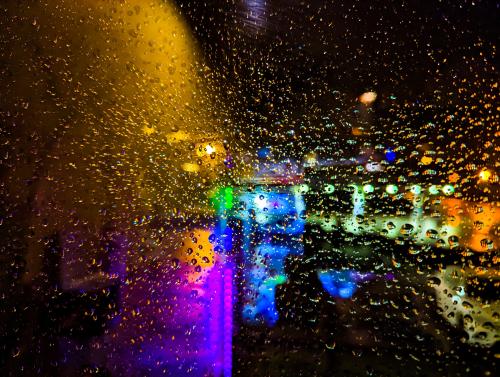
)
(351, 44)
(293, 63)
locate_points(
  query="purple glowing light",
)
(215, 286)
(228, 322)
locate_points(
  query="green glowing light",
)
(391, 189)
(275, 280)
(368, 188)
(222, 198)
(448, 189)
(303, 188)
(329, 189)
(433, 190)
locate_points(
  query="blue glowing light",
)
(268, 213)
(339, 284)
(263, 275)
(264, 152)
(390, 155)
(416, 189)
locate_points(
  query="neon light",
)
(215, 286)
(228, 197)
(337, 283)
(390, 155)
(228, 323)
(222, 198)
(265, 270)
(263, 256)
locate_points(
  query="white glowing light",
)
(209, 149)
(448, 189)
(391, 189)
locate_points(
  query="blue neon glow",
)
(275, 212)
(220, 286)
(262, 278)
(338, 283)
(265, 215)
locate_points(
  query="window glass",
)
(249, 188)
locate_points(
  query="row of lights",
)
(392, 189)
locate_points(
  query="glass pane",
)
(249, 188)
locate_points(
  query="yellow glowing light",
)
(191, 168)
(368, 98)
(197, 254)
(426, 160)
(148, 130)
(485, 175)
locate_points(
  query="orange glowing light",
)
(357, 131)
(426, 160)
(453, 178)
(368, 98)
(197, 254)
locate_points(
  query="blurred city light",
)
(416, 189)
(368, 188)
(433, 190)
(485, 175)
(329, 188)
(368, 98)
(448, 189)
(391, 189)
(209, 149)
